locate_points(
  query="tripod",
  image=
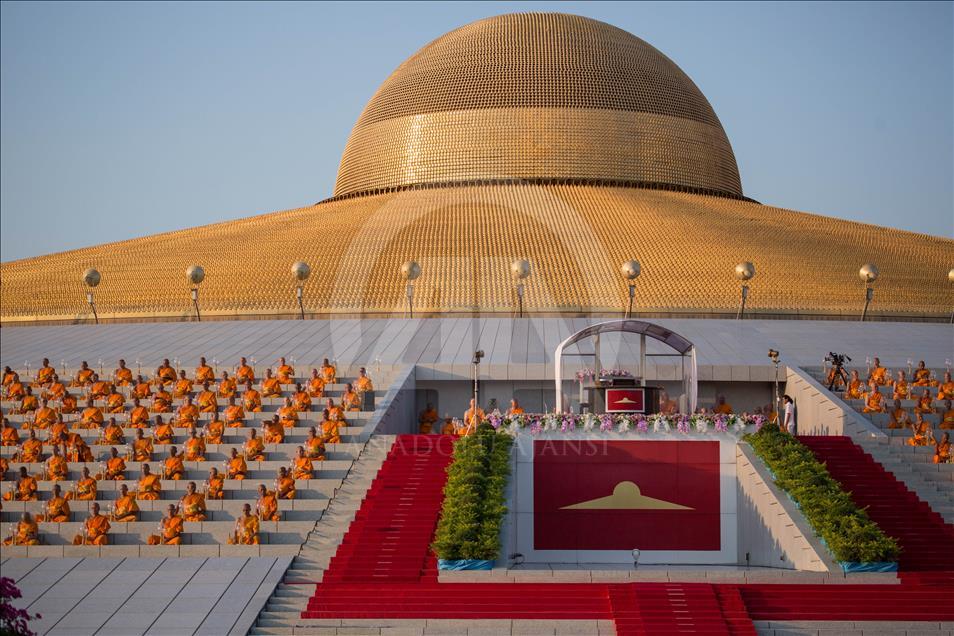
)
(837, 371)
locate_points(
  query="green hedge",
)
(474, 499)
(848, 531)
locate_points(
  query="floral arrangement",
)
(13, 620)
(583, 374)
(682, 423)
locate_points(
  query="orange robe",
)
(86, 489)
(26, 490)
(207, 402)
(288, 416)
(329, 432)
(193, 507)
(29, 403)
(315, 448)
(167, 375)
(31, 451)
(237, 468)
(115, 468)
(68, 405)
(328, 373)
(113, 435)
(216, 488)
(947, 420)
(302, 401)
(252, 401)
(124, 376)
(172, 528)
(267, 507)
(255, 450)
(469, 415)
(116, 403)
(245, 374)
(204, 374)
(91, 417)
(57, 468)
(164, 434)
(142, 390)
(44, 417)
(9, 437)
(427, 420)
(182, 388)
(162, 402)
(879, 375)
(173, 468)
(303, 468)
(77, 450)
(27, 533)
(234, 416)
(286, 374)
(187, 415)
(214, 431)
(920, 435)
(899, 418)
(100, 390)
(942, 452)
(274, 432)
(246, 531)
(56, 392)
(874, 402)
(922, 377)
(363, 385)
(855, 390)
(901, 390)
(139, 417)
(228, 388)
(195, 449)
(271, 387)
(925, 405)
(149, 488)
(57, 510)
(350, 401)
(16, 391)
(285, 488)
(44, 375)
(96, 529)
(316, 387)
(946, 391)
(126, 509)
(142, 449)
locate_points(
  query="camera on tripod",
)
(837, 359)
(837, 368)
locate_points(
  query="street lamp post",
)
(301, 271)
(410, 270)
(631, 271)
(91, 279)
(869, 274)
(519, 271)
(745, 272)
(195, 275)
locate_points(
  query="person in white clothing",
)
(789, 418)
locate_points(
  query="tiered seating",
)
(297, 516)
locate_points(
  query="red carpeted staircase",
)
(927, 543)
(674, 608)
(848, 602)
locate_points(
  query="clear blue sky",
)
(121, 120)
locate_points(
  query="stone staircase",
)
(913, 466)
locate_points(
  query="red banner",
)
(625, 401)
(612, 495)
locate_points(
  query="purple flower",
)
(12, 619)
(721, 424)
(535, 426)
(642, 425)
(759, 421)
(683, 425)
(606, 422)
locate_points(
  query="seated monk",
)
(57, 469)
(284, 485)
(273, 431)
(901, 387)
(328, 372)
(9, 435)
(945, 390)
(448, 427)
(244, 373)
(183, 386)
(162, 401)
(925, 403)
(335, 413)
(77, 450)
(187, 414)
(473, 416)
(947, 417)
(427, 420)
(112, 434)
(126, 510)
(165, 374)
(329, 429)
(267, 505)
(4, 467)
(115, 402)
(171, 528)
(115, 466)
(722, 407)
(44, 417)
(271, 386)
(303, 468)
(254, 447)
(206, 400)
(56, 390)
(316, 385)
(84, 376)
(227, 386)
(921, 432)
(215, 484)
(57, 508)
(163, 433)
(123, 375)
(100, 388)
(285, 372)
(194, 447)
(25, 489)
(172, 467)
(142, 390)
(85, 489)
(68, 404)
(213, 432)
(878, 374)
(94, 530)
(922, 375)
(91, 417)
(314, 446)
(27, 532)
(204, 373)
(363, 383)
(237, 469)
(150, 487)
(44, 375)
(31, 451)
(193, 505)
(514, 408)
(942, 450)
(234, 414)
(139, 415)
(287, 414)
(350, 401)
(302, 400)
(874, 400)
(898, 418)
(142, 447)
(29, 403)
(246, 528)
(251, 399)
(16, 390)
(855, 388)
(8, 378)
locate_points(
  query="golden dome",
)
(540, 98)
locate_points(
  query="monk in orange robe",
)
(316, 385)
(193, 505)
(162, 401)
(56, 390)
(16, 389)
(194, 447)
(921, 431)
(187, 414)
(227, 386)
(44, 417)
(922, 375)
(26, 487)
(328, 372)
(925, 403)
(285, 372)
(123, 376)
(57, 508)
(254, 447)
(86, 487)
(29, 403)
(244, 373)
(31, 451)
(142, 390)
(165, 374)
(267, 505)
(142, 447)
(126, 510)
(942, 450)
(246, 528)
(251, 399)
(303, 469)
(204, 373)
(945, 390)
(94, 530)
(284, 484)
(27, 532)
(115, 466)
(314, 446)
(898, 418)
(302, 400)
(112, 434)
(427, 420)
(287, 414)
(214, 430)
(139, 415)
(100, 388)
(8, 378)
(234, 414)
(237, 469)
(722, 407)
(215, 484)
(271, 386)
(115, 402)
(473, 417)
(172, 467)
(206, 400)
(91, 417)
(329, 429)
(171, 526)
(150, 487)
(9, 435)
(183, 386)
(902, 390)
(163, 432)
(363, 383)
(44, 375)
(57, 468)
(77, 450)
(874, 400)
(350, 401)
(335, 413)
(947, 417)
(68, 404)
(878, 374)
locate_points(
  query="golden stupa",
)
(548, 137)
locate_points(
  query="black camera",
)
(837, 359)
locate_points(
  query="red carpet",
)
(384, 569)
(927, 543)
